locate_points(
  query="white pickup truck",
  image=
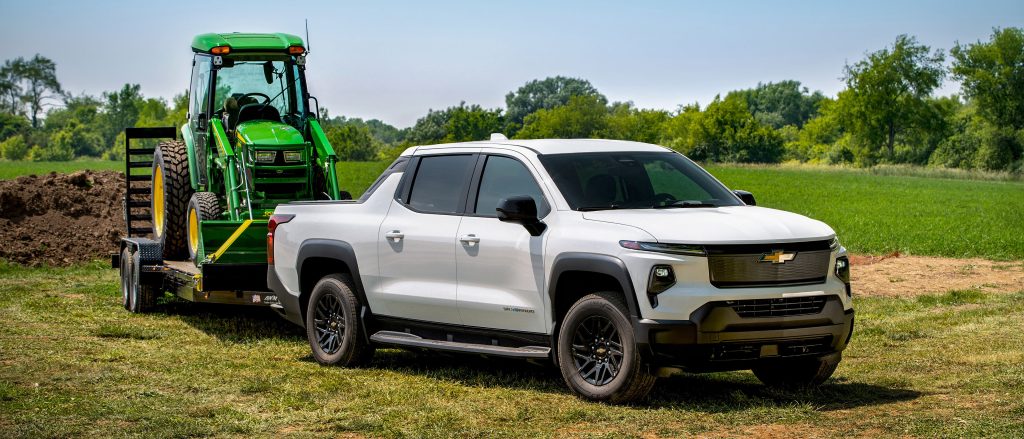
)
(618, 261)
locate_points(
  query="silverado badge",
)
(777, 257)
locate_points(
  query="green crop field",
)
(9, 170)
(871, 213)
(76, 364)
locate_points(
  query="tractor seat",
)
(257, 112)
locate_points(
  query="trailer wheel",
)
(203, 206)
(332, 324)
(172, 189)
(126, 277)
(141, 298)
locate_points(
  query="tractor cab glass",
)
(258, 88)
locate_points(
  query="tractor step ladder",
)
(138, 165)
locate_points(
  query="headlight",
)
(834, 244)
(293, 156)
(266, 156)
(678, 249)
(662, 278)
(843, 269)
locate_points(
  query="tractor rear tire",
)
(171, 191)
(203, 206)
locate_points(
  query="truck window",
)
(504, 177)
(440, 183)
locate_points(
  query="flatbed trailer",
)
(146, 276)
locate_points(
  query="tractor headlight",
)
(266, 156)
(293, 156)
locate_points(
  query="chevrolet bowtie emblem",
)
(777, 257)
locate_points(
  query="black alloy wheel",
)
(329, 323)
(597, 350)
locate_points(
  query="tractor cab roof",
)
(245, 42)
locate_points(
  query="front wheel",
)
(797, 373)
(332, 324)
(596, 352)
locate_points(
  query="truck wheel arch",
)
(320, 257)
(596, 264)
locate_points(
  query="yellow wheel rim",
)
(158, 202)
(193, 232)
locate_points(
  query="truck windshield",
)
(634, 180)
(245, 82)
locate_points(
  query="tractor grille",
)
(734, 266)
(784, 307)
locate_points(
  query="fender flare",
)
(595, 263)
(331, 249)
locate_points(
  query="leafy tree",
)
(14, 148)
(887, 94)
(725, 132)
(36, 79)
(781, 103)
(456, 124)
(122, 110)
(993, 75)
(626, 122)
(545, 93)
(10, 90)
(585, 116)
(382, 131)
(78, 138)
(11, 124)
(352, 142)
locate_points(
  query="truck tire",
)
(596, 354)
(202, 206)
(332, 324)
(798, 372)
(171, 191)
(141, 298)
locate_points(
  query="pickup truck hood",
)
(719, 225)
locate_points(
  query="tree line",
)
(888, 112)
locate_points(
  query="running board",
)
(410, 340)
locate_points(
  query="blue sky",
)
(393, 60)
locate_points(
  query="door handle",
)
(394, 235)
(470, 240)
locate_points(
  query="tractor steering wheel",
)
(266, 98)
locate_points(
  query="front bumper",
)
(717, 338)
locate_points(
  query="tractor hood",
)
(721, 225)
(265, 132)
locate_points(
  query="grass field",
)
(75, 363)
(871, 213)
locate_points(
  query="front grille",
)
(734, 266)
(784, 307)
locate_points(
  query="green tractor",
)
(251, 142)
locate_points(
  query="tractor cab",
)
(251, 142)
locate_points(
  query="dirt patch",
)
(61, 219)
(896, 275)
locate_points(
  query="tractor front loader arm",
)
(326, 158)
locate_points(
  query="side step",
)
(410, 340)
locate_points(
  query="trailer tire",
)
(141, 297)
(332, 324)
(171, 190)
(126, 278)
(201, 207)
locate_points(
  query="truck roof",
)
(552, 146)
(238, 41)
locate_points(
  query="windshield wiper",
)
(685, 204)
(593, 208)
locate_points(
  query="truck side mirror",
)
(747, 197)
(521, 209)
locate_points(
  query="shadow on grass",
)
(237, 324)
(717, 392)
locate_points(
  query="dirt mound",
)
(61, 219)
